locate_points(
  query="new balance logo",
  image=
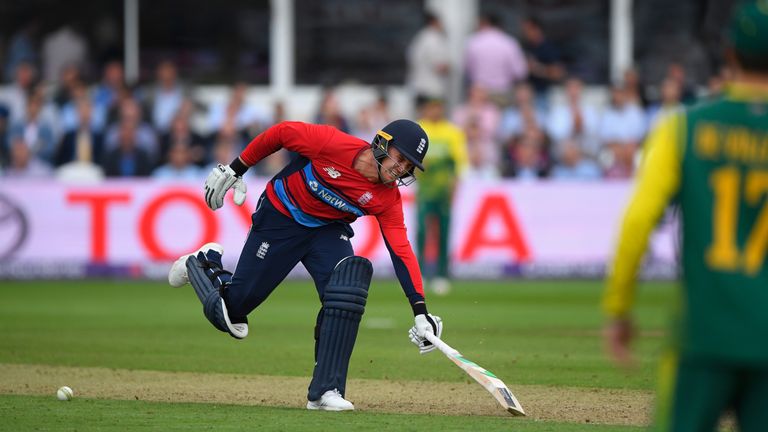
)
(332, 172)
(343, 237)
(262, 250)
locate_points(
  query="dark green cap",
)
(749, 28)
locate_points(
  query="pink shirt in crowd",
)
(494, 60)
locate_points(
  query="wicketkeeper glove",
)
(425, 323)
(219, 181)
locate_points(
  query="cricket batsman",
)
(711, 160)
(304, 215)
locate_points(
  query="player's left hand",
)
(618, 335)
(219, 181)
(425, 324)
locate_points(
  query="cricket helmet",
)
(404, 135)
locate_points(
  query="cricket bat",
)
(487, 379)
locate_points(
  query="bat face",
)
(486, 378)
(492, 384)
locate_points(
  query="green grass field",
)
(544, 334)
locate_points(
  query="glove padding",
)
(425, 324)
(219, 181)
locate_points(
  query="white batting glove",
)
(425, 324)
(219, 181)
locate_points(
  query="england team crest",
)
(365, 198)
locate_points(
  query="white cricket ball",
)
(65, 393)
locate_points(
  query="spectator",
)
(24, 163)
(676, 72)
(545, 66)
(63, 47)
(479, 167)
(83, 143)
(181, 133)
(179, 166)
(130, 114)
(330, 113)
(444, 163)
(521, 114)
(128, 159)
(371, 117)
(247, 119)
(107, 94)
(527, 160)
(633, 87)
(224, 151)
(482, 116)
(494, 60)
(166, 97)
(574, 119)
(622, 128)
(618, 160)
(15, 96)
(22, 48)
(572, 165)
(622, 120)
(527, 156)
(68, 113)
(36, 130)
(428, 58)
(670, 101)
(68, 83)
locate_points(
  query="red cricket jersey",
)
(322, 187)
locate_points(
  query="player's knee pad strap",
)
(348, 287)
(354, 271)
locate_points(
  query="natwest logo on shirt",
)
(332, 172)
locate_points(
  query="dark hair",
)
(535, 21)
(430, 18)
(752, 63)
(491, 17)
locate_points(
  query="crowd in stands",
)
(72, 128)
(515, 128)
(54, 122)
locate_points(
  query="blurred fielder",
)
(304, 216)
(712, 160)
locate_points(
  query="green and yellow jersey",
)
(712, 159)
(445, 161)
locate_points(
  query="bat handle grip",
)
(442, 346)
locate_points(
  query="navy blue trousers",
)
(275, 245)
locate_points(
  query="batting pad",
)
(214, 308)
(343, 306)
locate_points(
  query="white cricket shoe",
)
(331, 401)
(177, 276)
